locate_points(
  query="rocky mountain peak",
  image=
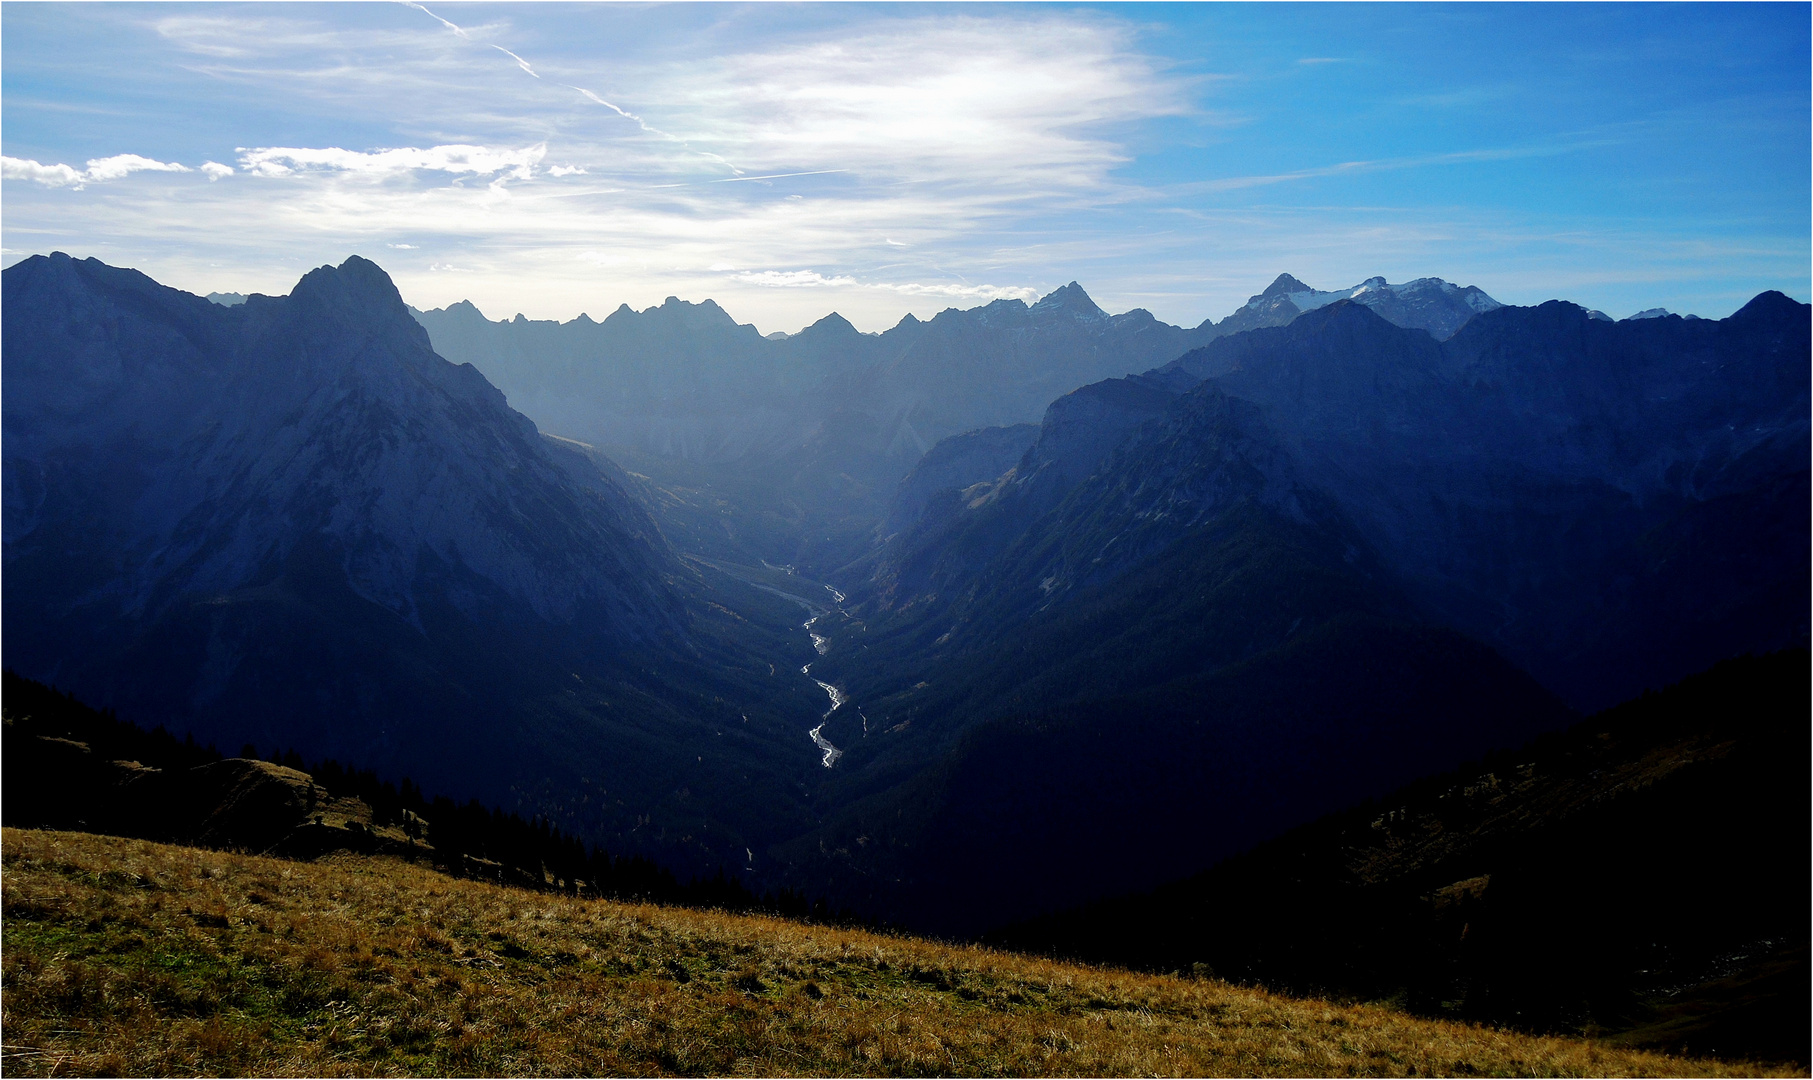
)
(357, 290)
(832, 325)
(1070, 298)
(1771, 304)
(1283, 284)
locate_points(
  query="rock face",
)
(290, 520)
(956, 463)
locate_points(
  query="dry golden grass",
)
(128, 957)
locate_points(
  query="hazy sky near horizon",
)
(791, 160)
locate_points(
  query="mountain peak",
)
(1070, 298)
(357, 290)
(832, 331)
(831, 324)
(1283, 284)
(1772, 302)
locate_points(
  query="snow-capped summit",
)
(1430, 304)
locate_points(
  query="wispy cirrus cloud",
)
(1457, 157)
(811, 279)
(1015, 101)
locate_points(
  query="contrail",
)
(520, 62)
(778, 176)
(652, 130)
(436, 18)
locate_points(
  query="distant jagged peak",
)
(704, 313)
(1648, 313)
(1373, 289)
(227, 299)
(832, 324)
(706, 305)
(1071, 298)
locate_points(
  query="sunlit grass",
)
(128, 957)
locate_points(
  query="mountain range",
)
(1235, 577)
(815, 429)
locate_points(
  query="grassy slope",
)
(124, 956)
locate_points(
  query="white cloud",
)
(1002, 100)
(403, 247)
(119, 165)
(274, 161)
(99, 170)
(566, 170)
(216, 170)
(792, 279)
(965, 292)
(12, 168)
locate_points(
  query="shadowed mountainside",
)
(1610, 505)
(289, 522)
(1643, 874)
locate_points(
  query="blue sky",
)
(875, 159)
